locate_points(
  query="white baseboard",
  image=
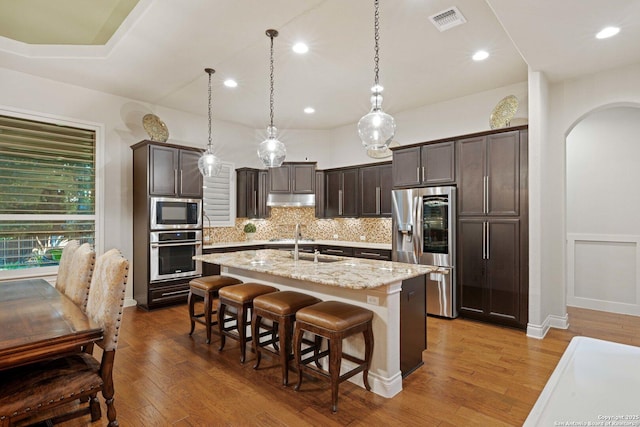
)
(129, 302)
(552, 321)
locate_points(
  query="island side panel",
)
(385, 376)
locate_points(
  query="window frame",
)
(98, 217)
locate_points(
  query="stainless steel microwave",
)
(169, 213)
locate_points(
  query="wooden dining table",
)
(38, 322)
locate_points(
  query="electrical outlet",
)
(363, 238)
(373, 300)
(335, 236)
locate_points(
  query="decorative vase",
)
(249, 236)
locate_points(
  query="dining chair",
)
(80, 274)
(40, 391)
(65, 261)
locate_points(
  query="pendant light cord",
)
(376, 27)
(271, 35)
(209, 145)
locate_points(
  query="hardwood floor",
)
(473, 374)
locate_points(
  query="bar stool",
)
(206, 288)
(240, 298)
(280, 308)
(334, 321)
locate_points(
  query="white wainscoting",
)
(603, 272)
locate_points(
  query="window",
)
(218, 191)
(47, 190)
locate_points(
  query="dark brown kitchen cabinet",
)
(173, 172)
(492, 251)
(375, 190)
(426, 165)
(320, 195)
(491, 286)
(264, 211)
(341, 193)
(378, 254)
(247, 190)
(413, 324)
(293, 177)
(489, 175)
(336, 250)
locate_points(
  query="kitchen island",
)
(375, 285)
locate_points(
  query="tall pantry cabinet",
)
(493, 227)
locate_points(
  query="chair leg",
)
(284, 337)
(107, 389)
(255, 332)
(191, 302)
(297, 354)
(242, 331)
(335, 360)
(368, 353)
(207, 315)
(94, 408)
(221, 311)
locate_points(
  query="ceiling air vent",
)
(447, 18)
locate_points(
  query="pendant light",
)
(209, 164)
(377, 128)
(271, 151)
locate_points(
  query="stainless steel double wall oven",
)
(175, 237)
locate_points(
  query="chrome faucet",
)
(296, 236)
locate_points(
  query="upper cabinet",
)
(375, 190)
(293, 177)
(320, 194)
(489, 175)
(427, 165)
(173, 172)
(247, 189)
(341, 193)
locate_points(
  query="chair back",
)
(65, 262)
(80, 273)
(106, 295)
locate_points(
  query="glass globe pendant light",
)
(272, 151)
(209, 164)
(377, 128)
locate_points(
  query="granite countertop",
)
(344, 272)
(361, 244)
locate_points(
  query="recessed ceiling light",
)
(230, 83)
(607, 32)
(309, 110)
(480, 55)
(300, 48)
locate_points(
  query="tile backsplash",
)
(282, 223)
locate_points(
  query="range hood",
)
(291, 200)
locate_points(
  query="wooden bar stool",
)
(206, 288)
(334, 321)
(240, 298)
(280, 308)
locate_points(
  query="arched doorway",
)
(603, 211)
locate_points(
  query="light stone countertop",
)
(361, 244)
(345, 272)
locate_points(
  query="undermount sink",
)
(311, 257)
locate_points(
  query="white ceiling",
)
(159, 53)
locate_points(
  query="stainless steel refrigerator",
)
(423, 230)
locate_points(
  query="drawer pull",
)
(334, 251)
(166, 294)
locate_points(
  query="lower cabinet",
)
(379, 254)
(492, 282)
(154, 295)
(336, 250)
(413, 324)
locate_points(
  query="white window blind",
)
(218, 198)
(47, 190)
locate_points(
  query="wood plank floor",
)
(473, 374)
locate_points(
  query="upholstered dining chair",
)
(78, 280)
(42, 390)
(65, 262)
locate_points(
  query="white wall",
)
(603, 207)
(568, 102)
